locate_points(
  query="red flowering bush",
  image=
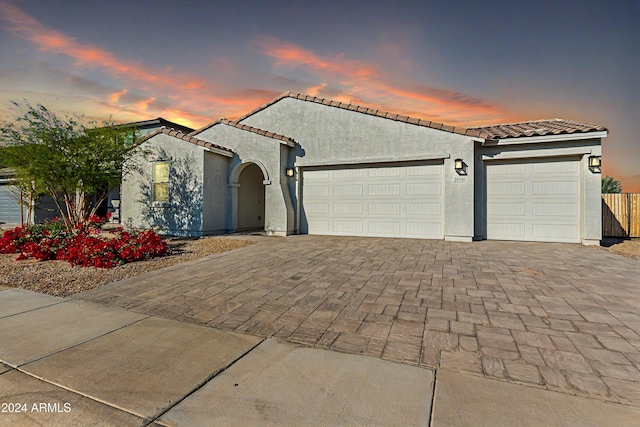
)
(82, 244)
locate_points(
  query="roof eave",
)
(545, 138)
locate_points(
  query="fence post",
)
(629, 215)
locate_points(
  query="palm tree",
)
(610, 185)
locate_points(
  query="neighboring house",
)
(302, 164)
(10, 211)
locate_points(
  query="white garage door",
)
(9, 204)
(536, 200)
(385, 201)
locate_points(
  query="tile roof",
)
(538, 128)
(289, 141)
(371, 112)
(185, 137)
(157, 122)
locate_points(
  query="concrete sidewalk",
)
(558, 316)
(68, 362)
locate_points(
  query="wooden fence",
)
(621, 215)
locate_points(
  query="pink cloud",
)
(191, 94)
(361, 80)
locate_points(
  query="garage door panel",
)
(555, 232)
(383, 189)
(507, 209)
(556, 210)
(419, 229)
(536, 200)
(557, 168)
(379, 227)
(347, 190)
(419, 189)
(319, 225)
(396, 201)
(317, 208)
(426, 170)
(383, 172)
(347, 208)
(347, 173)
(507, 231)
(555, 188)
(348, 227)
(507, 169)
(515, 188)
(432, 209)
(384, 208)
(317, 190)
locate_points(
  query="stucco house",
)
(13, 208)
(302, 164)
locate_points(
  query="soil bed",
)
(628, 248)
(61, 279)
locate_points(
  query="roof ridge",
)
(372, 112)
(555, 119)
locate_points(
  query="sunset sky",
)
(459, 62)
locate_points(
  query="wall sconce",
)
(595, 164)
(460, 167)
(289, 172)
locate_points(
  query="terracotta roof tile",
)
(241, 126)
(511, 130)
(364, 110)
(538, 128)
(186, 137)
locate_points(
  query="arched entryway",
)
(251, 200)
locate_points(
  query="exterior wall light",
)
(595, 164)
(460, 167)
(289, 172)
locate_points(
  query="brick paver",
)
(558, 316)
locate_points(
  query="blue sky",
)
(458, 62)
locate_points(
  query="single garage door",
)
(9, 204)
(385, 201)
(535, 200)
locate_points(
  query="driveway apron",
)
(556, 316)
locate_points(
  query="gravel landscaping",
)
(61, 279)
(628, 248)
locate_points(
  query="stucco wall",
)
(328, 135)
(267, 154)
(183, 214)
(215, 200)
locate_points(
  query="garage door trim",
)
(393, 199)
(534, 199)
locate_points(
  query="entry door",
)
(377, 200)
(534, 200)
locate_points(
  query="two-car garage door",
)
(377, 200)
(534, 200)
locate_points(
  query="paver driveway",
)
(559, 316)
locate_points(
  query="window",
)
(160, 181)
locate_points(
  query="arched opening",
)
(251, 198)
